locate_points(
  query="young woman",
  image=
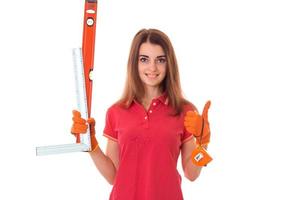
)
(145, 128)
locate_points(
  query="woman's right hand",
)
(80, 126)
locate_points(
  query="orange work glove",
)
(198, 125)
(80, 126)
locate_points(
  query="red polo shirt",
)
(150, 142)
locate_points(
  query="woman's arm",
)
(107, 164)
(190, 170)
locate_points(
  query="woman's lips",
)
(151, 75)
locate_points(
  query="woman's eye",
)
(143, 59)
(161, 60)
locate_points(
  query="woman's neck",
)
(150, 93)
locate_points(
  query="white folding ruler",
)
(85, 141)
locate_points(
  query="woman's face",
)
(152, 64)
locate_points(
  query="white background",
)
(242, 55)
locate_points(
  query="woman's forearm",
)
(191, 171)
(104, 165)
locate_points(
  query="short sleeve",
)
(186, 136)
(110, 122)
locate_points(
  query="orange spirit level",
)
(88, 48)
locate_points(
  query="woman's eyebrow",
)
(161, 56)
(144, 56)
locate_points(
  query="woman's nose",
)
(152, 65)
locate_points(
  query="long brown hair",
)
(134, 88)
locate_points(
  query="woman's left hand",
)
(198, 125)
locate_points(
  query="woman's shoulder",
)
(116, 107)
(113, 107)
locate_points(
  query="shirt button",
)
(146, 117)
(150, 111)
(154, 104)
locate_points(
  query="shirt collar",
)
(163, 98)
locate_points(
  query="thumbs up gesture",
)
(198, 124)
